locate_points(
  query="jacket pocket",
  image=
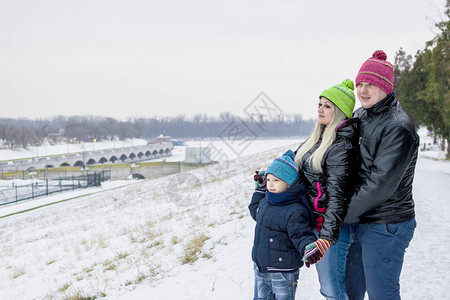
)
(274, 250)
(392, 228)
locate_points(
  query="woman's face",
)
(325, 111)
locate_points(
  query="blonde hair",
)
(328, 137)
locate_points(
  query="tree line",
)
(422, 83)
(22, 133)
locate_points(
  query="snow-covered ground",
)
(185, 236)
(232, 148)
(47, 149)
(221, 150)
(427, 147)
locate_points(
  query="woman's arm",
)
(340, 167)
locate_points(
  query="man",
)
(382, 207)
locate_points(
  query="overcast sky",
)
(143, 58)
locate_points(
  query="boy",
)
(284, 227)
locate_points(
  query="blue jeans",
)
(276, 285)
(331, 269)
(255, 289)
(375, 260)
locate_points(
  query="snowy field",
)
(185, 236)
(232, 148)
(223, 150)
(45, 150)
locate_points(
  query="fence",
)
(47, 187)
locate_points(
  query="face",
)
(325, 111)
(369, 94)
(276, 185)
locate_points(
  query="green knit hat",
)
(342, 96)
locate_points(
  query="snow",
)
(47, 149)
(233, 148)
(229, 149)
(427, 147)
(127, 240)
(65, 196)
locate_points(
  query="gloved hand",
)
(315, 251)
(260, 181)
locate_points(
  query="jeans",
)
(255, 289)
(355, 281)
(276, 285)
(375, 260)
(331, 269)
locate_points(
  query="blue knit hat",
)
(284, 168)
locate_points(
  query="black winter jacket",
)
(329, 191)
(283, 228)
(389, 145)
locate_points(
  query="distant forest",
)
(22, 133)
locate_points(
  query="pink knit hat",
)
(377, 71)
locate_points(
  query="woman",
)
(327, 161)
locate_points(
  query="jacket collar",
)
(383, 105)
(291, 195)
(348, 127)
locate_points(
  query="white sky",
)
(157, 58)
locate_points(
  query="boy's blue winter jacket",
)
(284, 226)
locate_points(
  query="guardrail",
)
(17, 193)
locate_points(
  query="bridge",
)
(86, 158)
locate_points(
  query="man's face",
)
(369, 94)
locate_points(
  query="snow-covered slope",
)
(107, 243)
(186, 236)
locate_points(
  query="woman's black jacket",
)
(329, 191)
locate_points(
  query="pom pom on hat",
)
(379, 54)
(377, 71)
(284, 168)
(348, 84)
(342, 96)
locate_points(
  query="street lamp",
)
(46, 161)
(84, 164)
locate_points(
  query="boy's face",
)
(276, 185)
(369, 94)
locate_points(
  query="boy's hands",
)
(315, 251)
(260, 181)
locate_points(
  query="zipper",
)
(363, 139)
(316, 200)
